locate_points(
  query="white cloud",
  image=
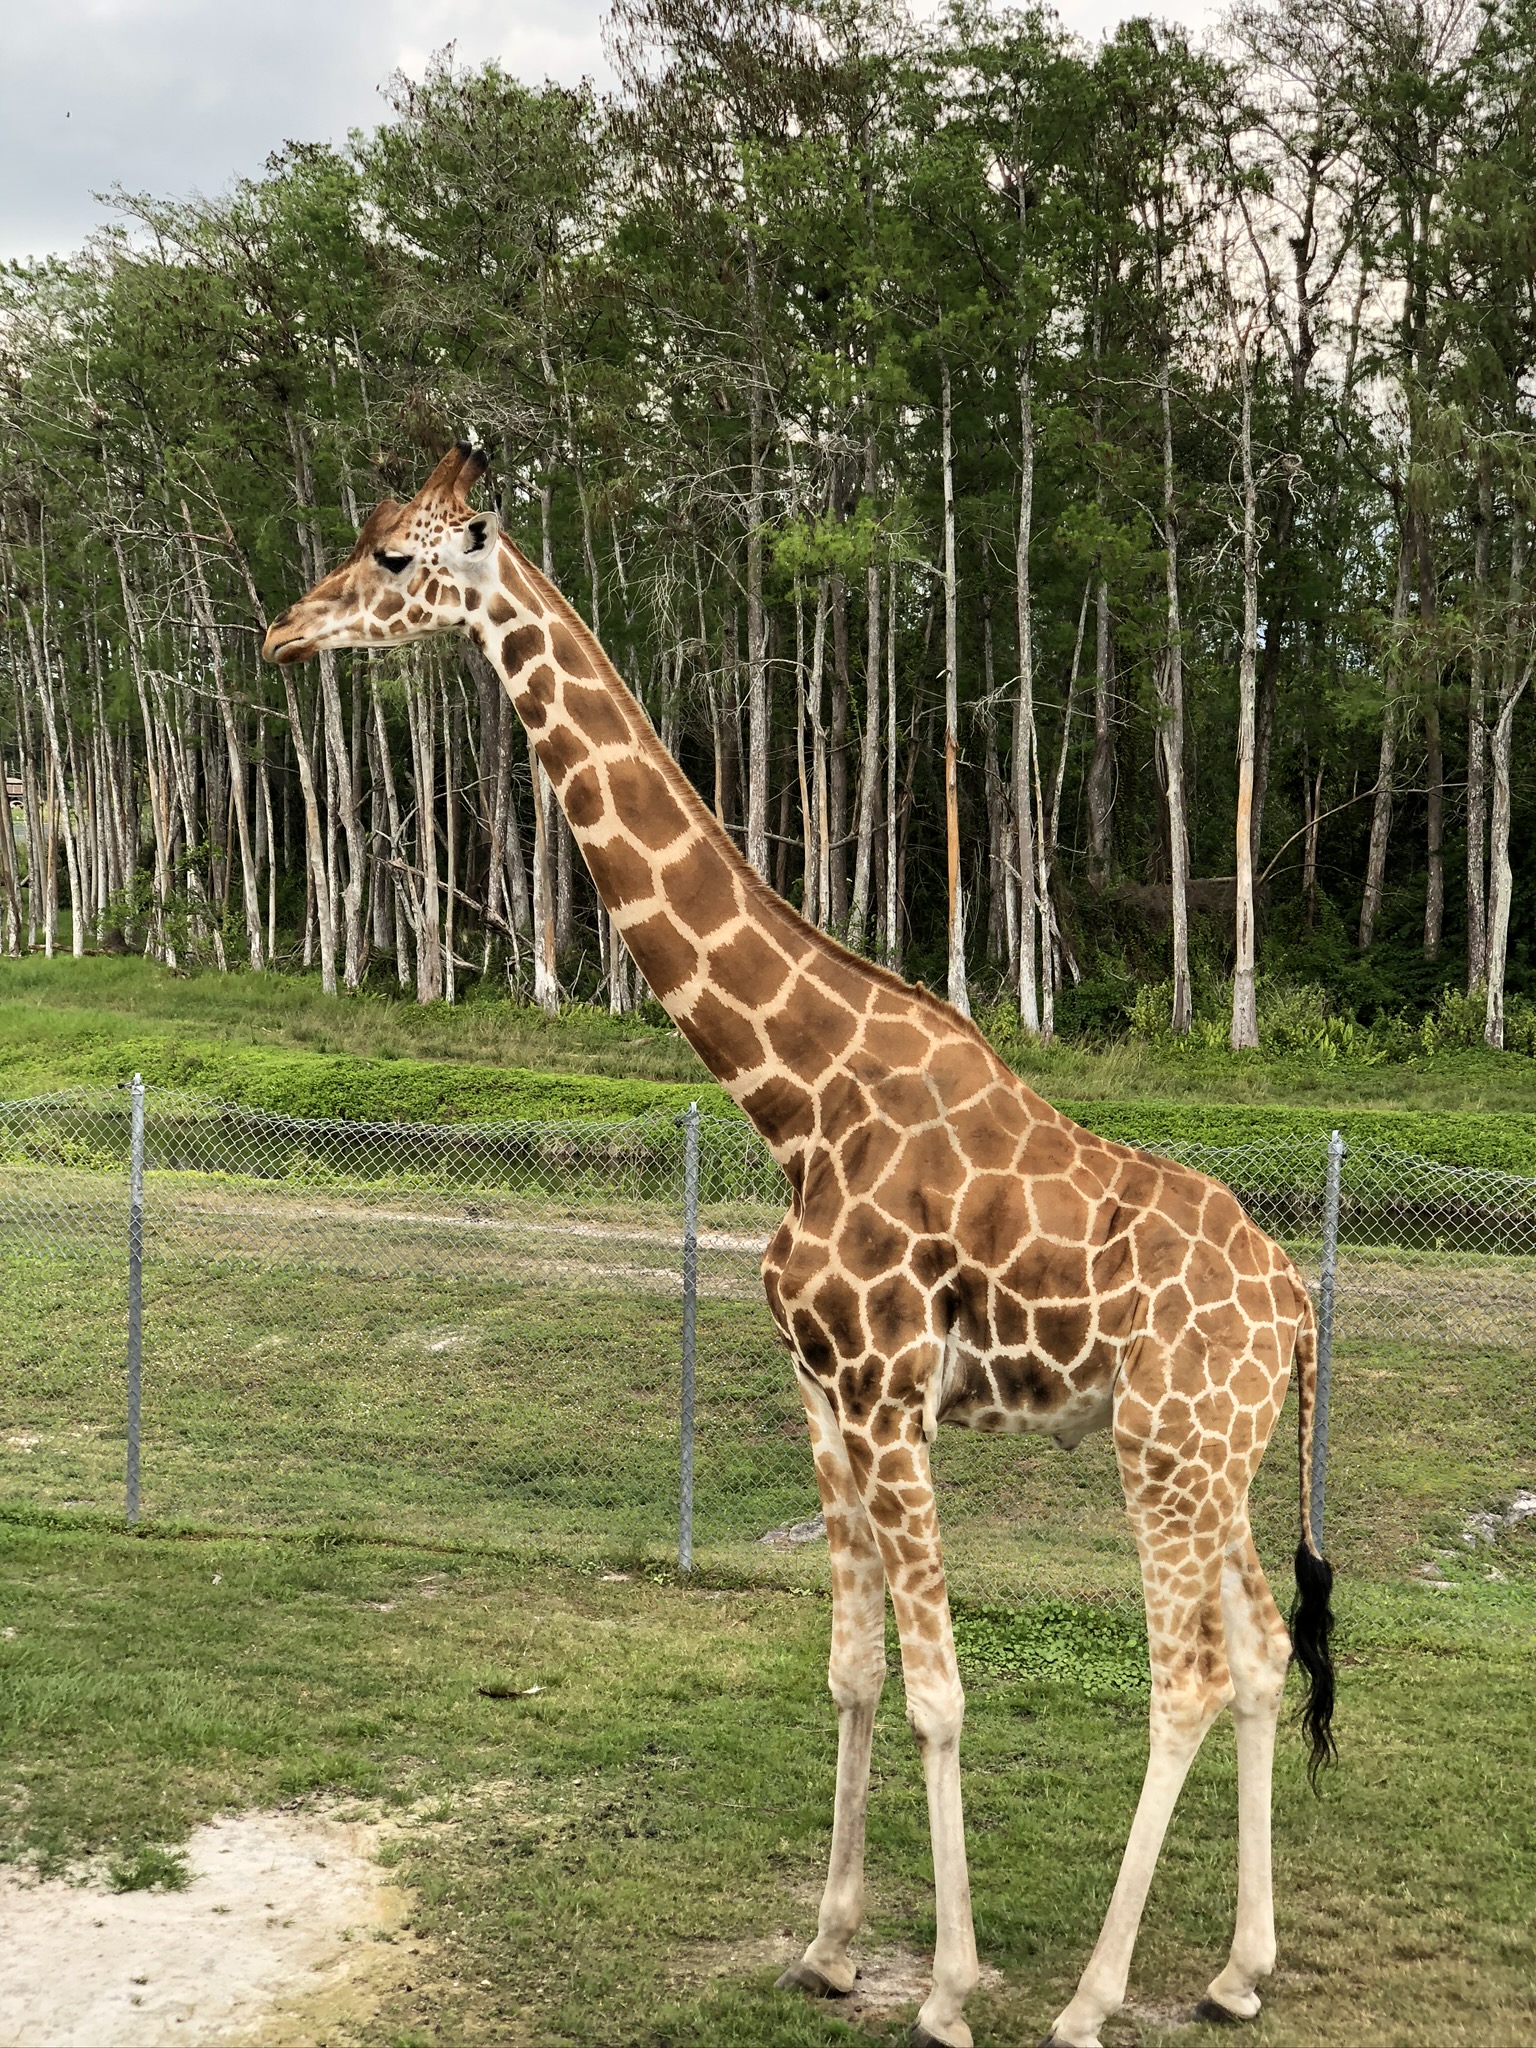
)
(173, 96)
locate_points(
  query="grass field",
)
(390, 1487)
(626, 1856)
(408, 1455)
(65, 1020)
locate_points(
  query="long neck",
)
(770, 1004)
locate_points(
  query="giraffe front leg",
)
(855, 1676)
(1258, 1653)
(890, 1461)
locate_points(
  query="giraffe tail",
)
(1312, 1614)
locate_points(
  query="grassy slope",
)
(275, 1043)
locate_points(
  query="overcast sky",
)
(175, 96)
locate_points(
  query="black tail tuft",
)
(1311, 1631)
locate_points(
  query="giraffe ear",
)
(477, 536)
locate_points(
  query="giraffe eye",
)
(393, 563)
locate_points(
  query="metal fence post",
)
(1325, 1293)
(690, 1325)
(135, 1289)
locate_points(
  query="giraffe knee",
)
(936, 1712)
(855, 1678)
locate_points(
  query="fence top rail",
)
(215, 1108)
(1225, 1162)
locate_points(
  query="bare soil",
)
(280, 1939)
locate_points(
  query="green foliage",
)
(1101, 1651)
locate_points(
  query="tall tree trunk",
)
(837, 764)
(1381, 807)
(1477, 733)
(234, 746)
(869, 763)
(1434, 755)
(1245, 1015)
(1024, 827)
(959, 994)
(1516, 674)
(1101, 767)
(1170, 734)
(892, 890)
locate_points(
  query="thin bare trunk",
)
(958, 993)
(1477, 734)
(1024, 829)
(1516, 674)
(1170, 734)
(1381, 807)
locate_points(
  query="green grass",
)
(384, 1487)
(273, 1042)
(384, 1478)
(625, 1846)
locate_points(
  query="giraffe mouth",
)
(287, 653)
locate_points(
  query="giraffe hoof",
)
(1217, 2015)
(921, 2038)
(803, 1976)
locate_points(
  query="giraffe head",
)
(416, 569)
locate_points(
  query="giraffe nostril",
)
(281, 619)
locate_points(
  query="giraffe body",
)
(955, 1252)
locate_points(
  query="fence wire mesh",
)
(471, 1333)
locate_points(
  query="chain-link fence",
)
(481, 1334)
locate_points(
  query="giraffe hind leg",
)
(1258, 1654)
(1181, 1567)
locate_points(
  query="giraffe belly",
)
(1010, 1394)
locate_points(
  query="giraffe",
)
(955, 1251)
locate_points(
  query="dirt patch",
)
(272, 1942)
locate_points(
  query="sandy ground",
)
(272, 1942)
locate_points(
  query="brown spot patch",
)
(983, 1140)
(390, 603)
(1024, 1383)
(621, 873)
(1061, 1330)
(866, 1154)
(562, 750)
(810, 1031)
(583, 798)
(725, 1040)
(1047, 1151)
(750, 968)
(701, 889)
(839, 977)
(931, 1259)
(471, 599)
(870, 1243)
(522, 645)
(498, 611)
(643, 800)
(666, 958)
(533, 700)
(812, 1344)
(993, 1219)
(890, 1043)
(838, 1306)
(570, 650)
(896, 1313)
(959, 1069)
(599, 715)
(513, 578)
(782, 1109)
